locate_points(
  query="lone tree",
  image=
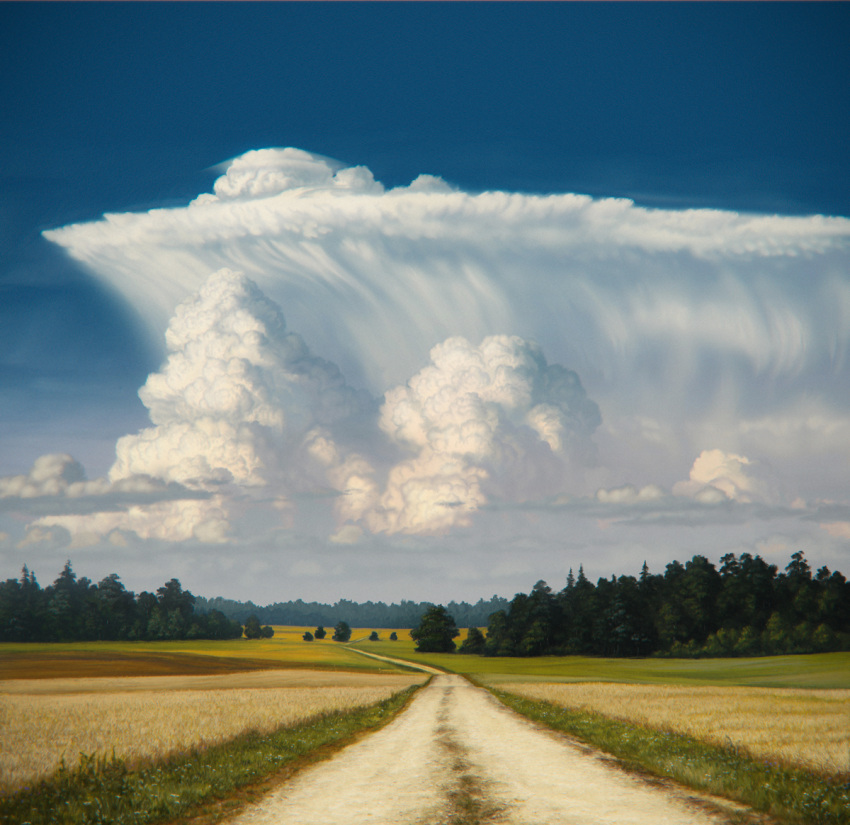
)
(373, 636)
(307, 637)
(320, 632)
(436, 630)
(394, 636)
(342, 632)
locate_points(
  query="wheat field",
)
(810, 728)
(39, 729)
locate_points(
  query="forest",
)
(358, 614)
(746, 608)
(75, 609)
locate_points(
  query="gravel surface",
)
(456, 756)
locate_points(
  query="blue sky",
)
(684, 353)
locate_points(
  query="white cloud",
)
(493, 419)
(629, 494)
(838, 529)
(690, 329)
(398, 271)
(57, 483)
(240, 401)
(50, 475)
(716, 475)
(236, 390)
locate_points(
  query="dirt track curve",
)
(456, 755)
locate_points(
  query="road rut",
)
(457, 755)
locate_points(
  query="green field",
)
(817, 670)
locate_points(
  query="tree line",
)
(76, 609)
(746, 608)
(367, 614)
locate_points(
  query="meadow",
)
(816, 670)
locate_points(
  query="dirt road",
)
(456, 755)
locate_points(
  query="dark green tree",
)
(435, 632)
(394, 636)
(320, 632)
(252, 627)
(307, 637)
(373, 636)
(474, 641)
(342, 632)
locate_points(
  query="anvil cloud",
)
(365, 365)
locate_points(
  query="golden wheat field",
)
(147, 718)
(804, 727)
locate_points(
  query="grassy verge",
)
(198, 784)
(789, 794)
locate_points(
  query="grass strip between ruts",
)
(102, 790)
(786, 793)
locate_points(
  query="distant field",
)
(819, 670)
(810, 728)
(107, 659)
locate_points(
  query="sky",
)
(421, 301)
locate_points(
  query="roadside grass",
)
(787, 793)
(201, 785)
(806, 728)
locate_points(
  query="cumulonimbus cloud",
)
(240, 400)
(242, 404)
(677, 320)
